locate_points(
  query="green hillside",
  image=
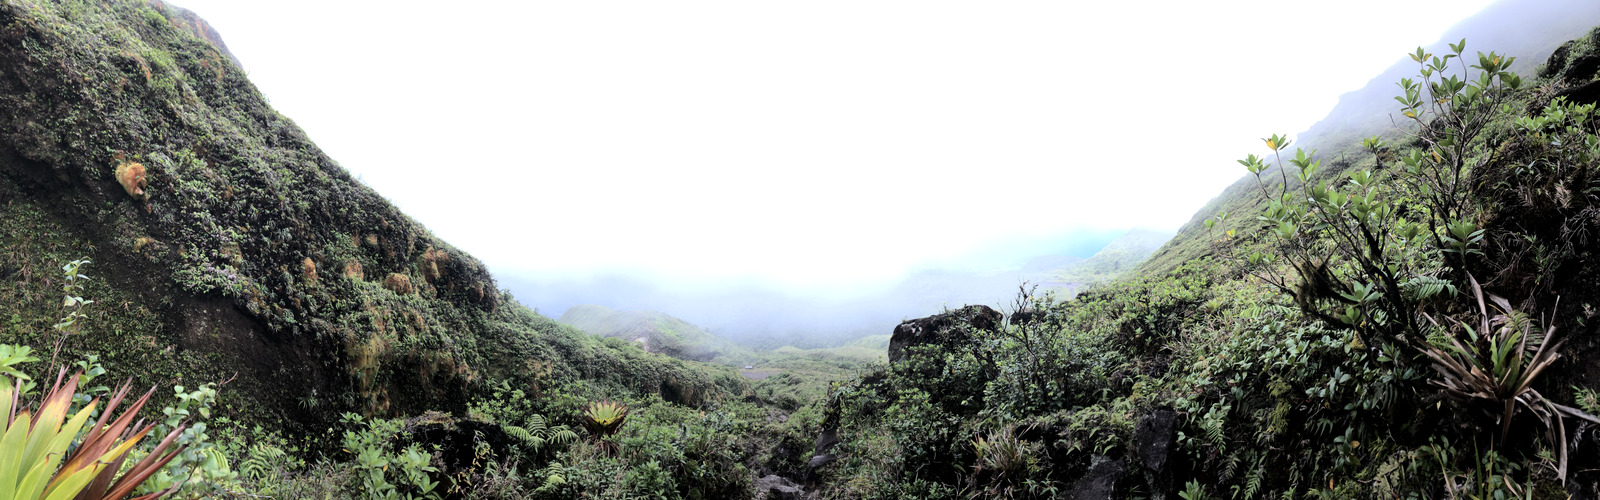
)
(786, 377)
(1123, 254)
(226, 248)
(1410, 317)
(1404, 313)
(657, 331)
(1371, 110)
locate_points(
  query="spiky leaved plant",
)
(603, 419)
(33, 445)
(1502, 357)
(1004, 461)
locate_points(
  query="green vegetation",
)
(1327, 338)
(1413, 319)
(659, 333)
(45, 454)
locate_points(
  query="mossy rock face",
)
(129, 135)
(944, 330)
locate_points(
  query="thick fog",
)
(767, 313)
(813, 170)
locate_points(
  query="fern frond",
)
(260, 461)
(532, 439)
(1252, 484)
(1426, 287)
(561, 435)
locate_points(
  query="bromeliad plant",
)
(603, 419)
(1502, 356)
(1004, 462)
(42, 458)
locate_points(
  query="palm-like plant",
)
(604, 418)
(34, 458)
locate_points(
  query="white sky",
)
(804, 142)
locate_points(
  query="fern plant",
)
(263, 462)
(537, 433)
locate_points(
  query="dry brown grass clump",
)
(352, 270)
(131, 176)
(399, 283)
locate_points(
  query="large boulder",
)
(1557, 60)
(945, 329)
(1100, 483)
(1155, 438)
(774, 487)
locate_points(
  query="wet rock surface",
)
(941, 329)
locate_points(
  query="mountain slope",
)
(1121, 255)
(1419, 326)
(658, 331)
(225, 242)
(1530, 30)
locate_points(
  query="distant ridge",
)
(1529, 30)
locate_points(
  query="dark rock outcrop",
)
(1557, 60)
(941, 329)
(774, 487)
(1155, 437)
(1588, 93)
(826, 440)
(456, 441)
(1100, 483)
(1582, 68)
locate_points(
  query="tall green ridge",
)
(226, 246)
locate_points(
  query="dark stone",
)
(826, 440)
(1027, 317)
(1588, 93)
(1155, 437)
(778, 488)
(1582, 69)
(817, 462)
(941, 329)
(456, 441)
(1100, 483)
(1557, 61)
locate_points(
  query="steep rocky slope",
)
(226, 245)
